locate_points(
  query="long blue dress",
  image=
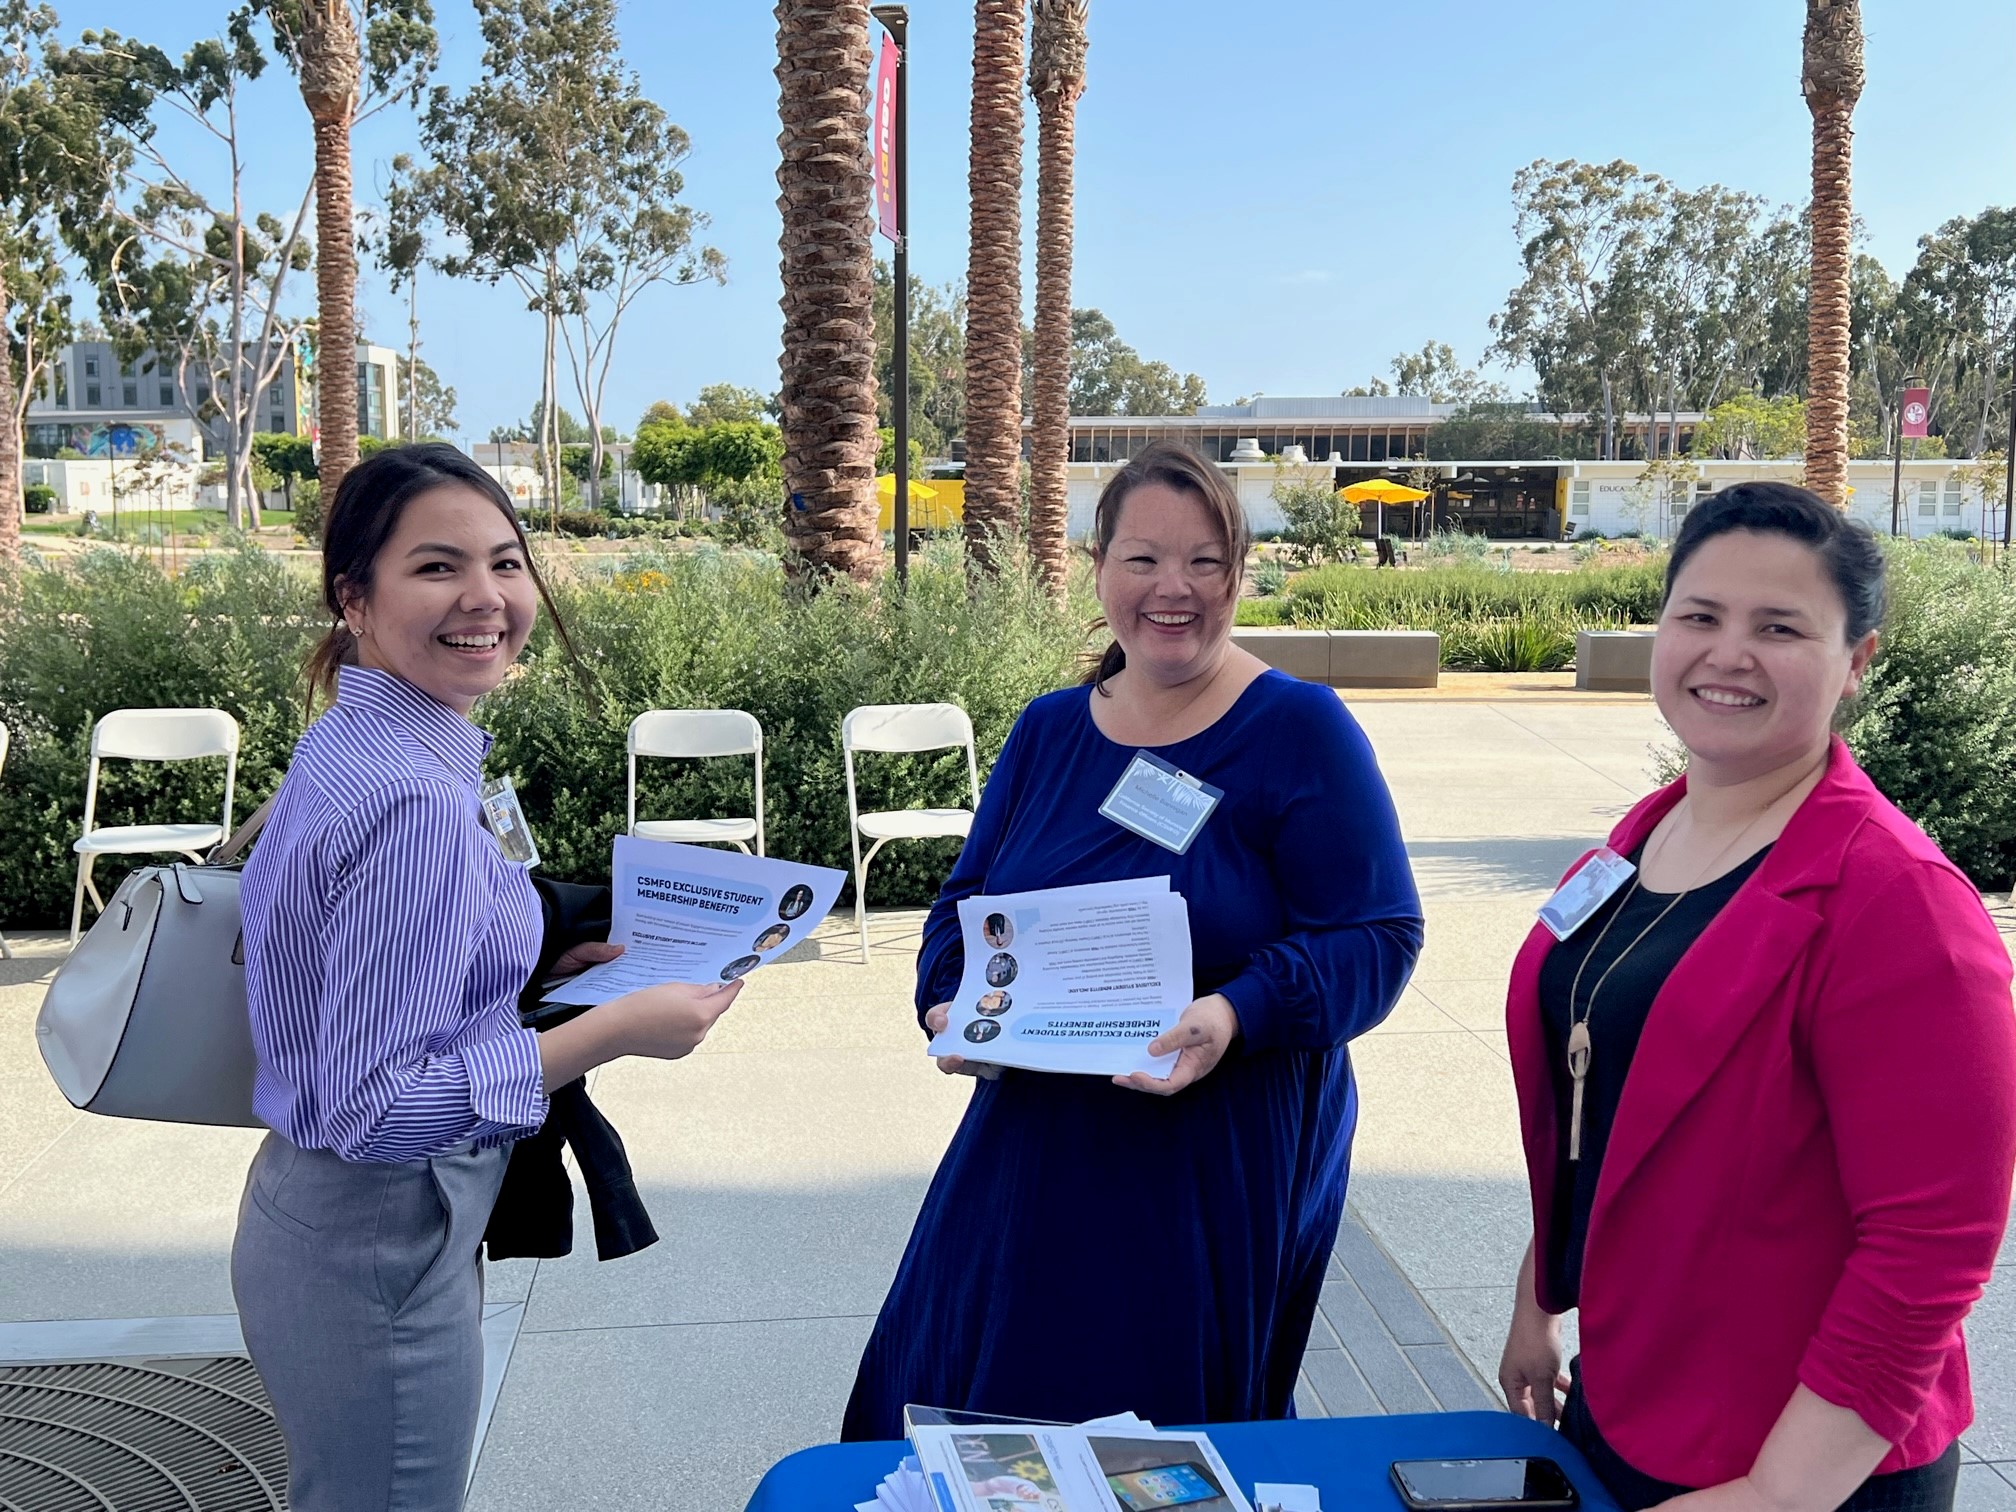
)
(1088, 1249)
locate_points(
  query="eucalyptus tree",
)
(553, 172)
(352, 58)
(190, 274)
(60, 158)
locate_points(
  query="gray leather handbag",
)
(147, 1018)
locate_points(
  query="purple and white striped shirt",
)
(387, 939)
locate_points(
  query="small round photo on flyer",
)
(1001, 970)
(997, 931)
(795, 901)
(993, 1004)
(771, 938)
(981, 1030)
(740, 966)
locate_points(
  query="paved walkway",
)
(784, 1163)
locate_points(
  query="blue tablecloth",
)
(1344, 1458)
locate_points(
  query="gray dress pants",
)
(360, 1291)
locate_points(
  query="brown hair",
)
(368, 505)
(1189, 472)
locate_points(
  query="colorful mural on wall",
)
(102, 439)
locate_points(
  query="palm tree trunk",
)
(1056, 78)
(994, 285)
(1832, 84)
(329, 71)
(827, 368)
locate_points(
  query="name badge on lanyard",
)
(1575, 902)
(505, 819)
(1157, 802)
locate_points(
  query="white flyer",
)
(1040, 1468)
(1075, 979)
(690, 913)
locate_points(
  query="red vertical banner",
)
(1917, 411)
(885, 138)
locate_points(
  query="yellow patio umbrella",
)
(1382, 491)
(920, 493)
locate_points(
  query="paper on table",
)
(1008, 1468)
(687, 913)
(1075, 979)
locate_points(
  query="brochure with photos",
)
(972, 1463)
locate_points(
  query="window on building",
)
(167, 392)
(1953, 496)
(90, 367)
(1578, 497)
(94, 396)
(129, 394)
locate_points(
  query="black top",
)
(1615, 1023)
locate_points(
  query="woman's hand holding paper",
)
(956, 1065)
(1200, 1039)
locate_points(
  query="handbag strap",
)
(242, 836)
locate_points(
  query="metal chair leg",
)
(77, 903)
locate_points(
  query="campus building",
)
(1346, 440)
(92, 402)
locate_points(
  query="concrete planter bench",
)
(1349, 658)
(1614, 661)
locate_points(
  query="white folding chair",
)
(902, 727)
(692, 733)
(152, 735)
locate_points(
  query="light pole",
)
(895, 20)
(1897, 465)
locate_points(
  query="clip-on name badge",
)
(1577, 899)
(1157, 802)
(503, 817)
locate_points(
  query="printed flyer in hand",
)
(1076, 979)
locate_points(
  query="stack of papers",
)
(687, 913)
(1071, 978)
(1120, 1464)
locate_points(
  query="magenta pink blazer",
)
(1810, 1170)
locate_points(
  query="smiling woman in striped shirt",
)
(386, 941)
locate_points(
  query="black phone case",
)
(1415, 1505)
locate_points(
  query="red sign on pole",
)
(885, 138)
(1917, 411)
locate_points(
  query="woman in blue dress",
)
(1091, 1246)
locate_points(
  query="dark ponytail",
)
(365, 514)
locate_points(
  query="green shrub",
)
(109, 631)
(1270, 577)
(1525, 645)
(705, 628)
(1322, 525)
(1359, 598)
(1455, 545)
(1936, 722)
(718, 629)
(38, 498)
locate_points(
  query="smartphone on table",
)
(1158, 1486)
(1529, 1483)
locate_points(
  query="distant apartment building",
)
(92, 402)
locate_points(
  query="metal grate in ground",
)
(155, 1435)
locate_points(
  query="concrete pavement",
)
(784, 1163)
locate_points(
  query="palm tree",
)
(1056, 79)
(329, 68)
(994, 284)
(1832, 82)
(828, 366)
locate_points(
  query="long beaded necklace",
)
(1580, 1047)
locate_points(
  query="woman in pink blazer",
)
(1774, 1225)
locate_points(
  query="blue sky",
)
(1278, 196)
